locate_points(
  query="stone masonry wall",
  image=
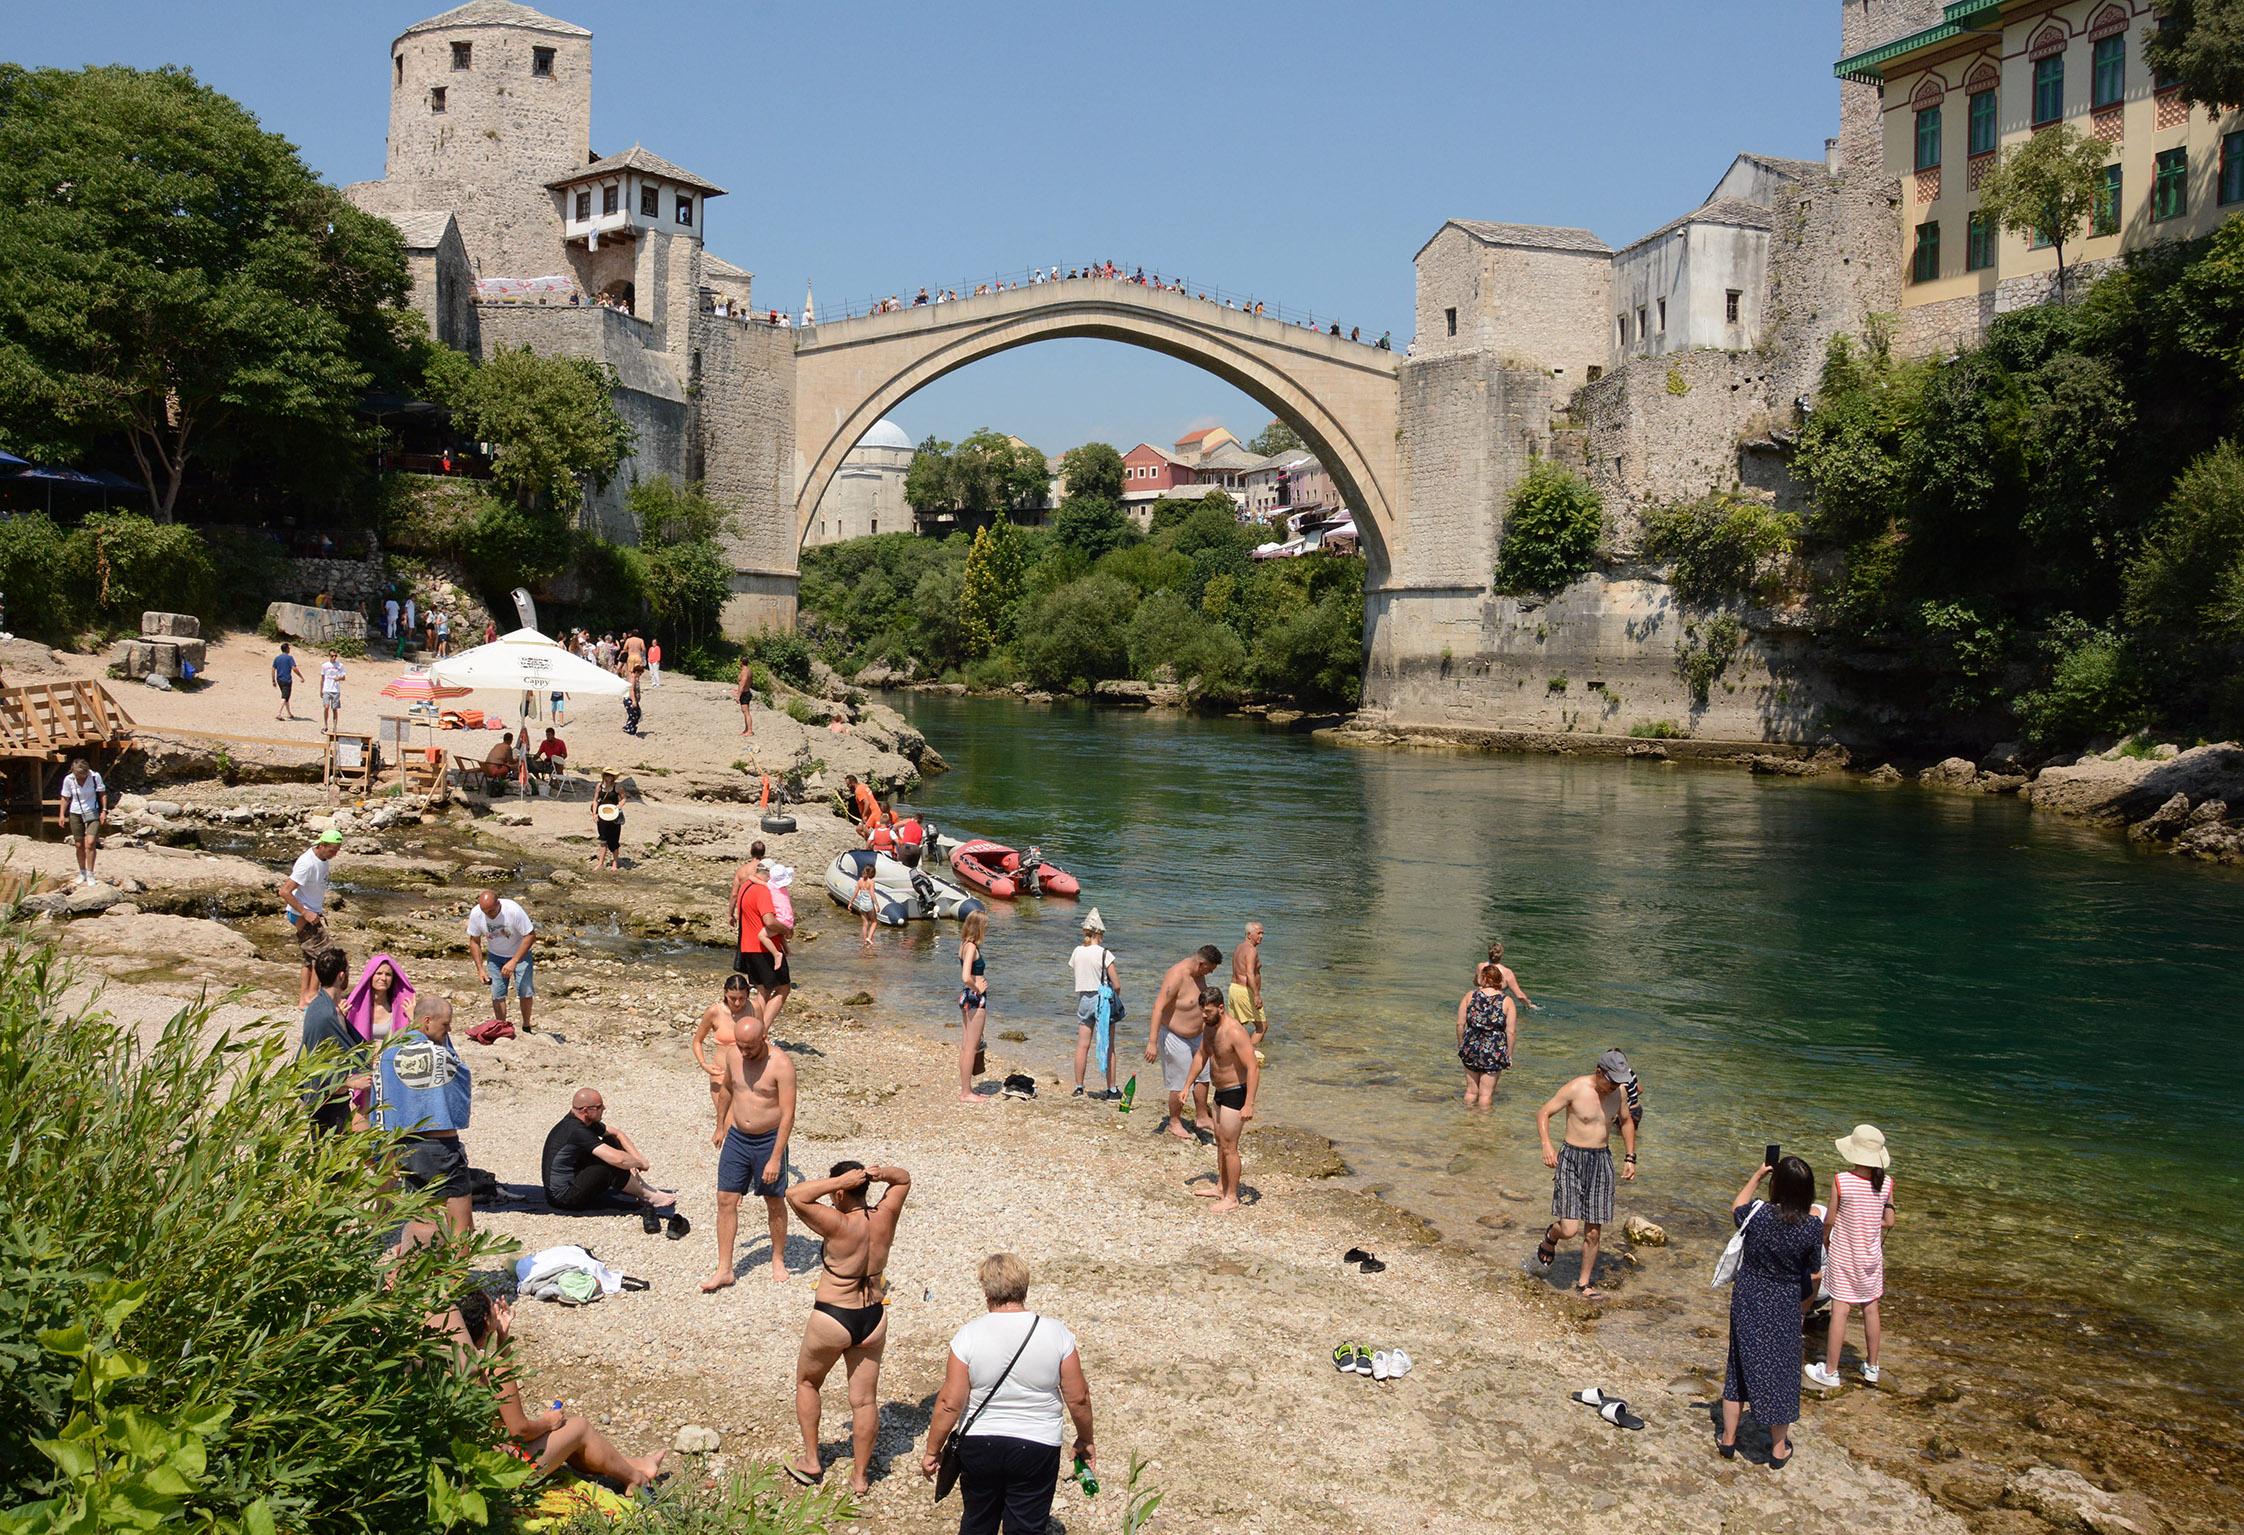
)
(746, 404)
(1534, 308)
(1665, 429)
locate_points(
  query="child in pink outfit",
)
(783, 903)
(1855, 1241)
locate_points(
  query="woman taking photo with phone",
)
(1782, 1255)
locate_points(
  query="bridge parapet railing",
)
(1247, 302)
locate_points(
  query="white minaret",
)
(810, 312)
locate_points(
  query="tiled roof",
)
(1733, 211)
(422, 229)
(496, 13)
(1548, 237)
(639, 159)
(1195, 436)
(1228, 455)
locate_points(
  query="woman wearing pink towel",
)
(1855, 1235)
(382, 1002)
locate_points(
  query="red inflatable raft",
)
(1001, 873)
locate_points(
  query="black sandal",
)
(1546, 1251)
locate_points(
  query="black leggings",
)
(1006, 1484)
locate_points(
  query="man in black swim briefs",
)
(849, 1318)
(1227, 1051)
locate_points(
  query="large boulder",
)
(2069, 1501)
(316, 626)
(1950, 773)
(170, 626)
(2164, 822)
(136, 659)
(2115, 789)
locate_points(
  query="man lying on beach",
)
(1582, 1173)
(1175, 1034)
(1227, 1053)
(1244, 998)
(484, 1323)
(585, 1160)
(754, 1157)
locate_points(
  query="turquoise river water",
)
(2042, 1021)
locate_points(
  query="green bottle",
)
(1085, 1478)
(1129, 1096)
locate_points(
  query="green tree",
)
(1277, 437)
(1092, 524)
(2201, 44)
(1168, 632)
(2047, 188)
(1093, 470)
(985, 476)
(175, 276)
(1721, 546)
(990, 589)
(552, 425)
(1078, 634)
(1552, 532)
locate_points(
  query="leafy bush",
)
(1722, 546)
(1315, 655)
(1658, 730)
(1705, 652)
(166, 1204)
(2089, 692)
(1093, 525)
(1206, 656)
(709, 661)
(758, 1503)
(1078, 634)
(121, 564)
(552, 424)
(787, 655)
(31, 573)
(1552, 532)
(507, 546)
(991, 673)
(254, 565)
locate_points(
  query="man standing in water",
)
(1175, 1034)
(1582, 1176)
(1244, 999)
(754, 1158)
(1228, 1053)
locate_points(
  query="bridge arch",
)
(1342, 397)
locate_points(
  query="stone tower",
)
(488, 103)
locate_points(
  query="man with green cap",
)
(304, 893)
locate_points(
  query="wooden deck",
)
(43, 725)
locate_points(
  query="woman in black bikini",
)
(849, 1319)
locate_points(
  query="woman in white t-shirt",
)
(1009, 1376)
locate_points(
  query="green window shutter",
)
(2170, 186)
(2108, 83)
(1983, 127)
(2232, 168)
(2108, 204)
(1926, 266)
(2049, 89)
(1979, 243)
(1928, 139)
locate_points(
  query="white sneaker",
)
(1382, 1366)
(1398, 1364)
(1819, 1376)
(1869, 1375)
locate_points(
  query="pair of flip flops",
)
(1363, 1260)
(1611, 1408)
(1380, 1364)
(670, 1223)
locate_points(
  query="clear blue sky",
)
(1303, 151)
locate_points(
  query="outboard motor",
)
(1029, 872)
(924, 888)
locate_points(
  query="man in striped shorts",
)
(1582, 1168)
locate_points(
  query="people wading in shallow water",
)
(723, 1020)
(1244, 998)
(753, 1159)
(1228, 1053)
(973, 1002)
(1582, 1171)
(848, 1320)
(1487, 1029)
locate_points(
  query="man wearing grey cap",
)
(1582, 1168)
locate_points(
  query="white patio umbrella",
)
(528, 663)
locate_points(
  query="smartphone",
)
(1772, 1155)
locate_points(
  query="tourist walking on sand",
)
(753, 1157)
(1009, 1377)
(721, 1022)
(1227, 1053)
(607, 819)
(331, 676)
(1487, 1029)
(1582, 1172)
(973, 1001)
(422, 1088)
(502, 941)
(1098, 1001)
(389, 616)
(1781, 1255)
(412, 630)
(284, 680)
(328, 1096)
(744, 693)
(304, 893)
(1244, 996)
(848, 1322)
(1174, 1034)
(1855, 1230)
(82, 807)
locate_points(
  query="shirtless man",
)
(849, 1317)
(1228, 1053)
(754, 1158)
(1582, 1177)
(1175, 1032)
(723, 1019)
(1244, 1000)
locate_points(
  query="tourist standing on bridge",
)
(83, 809)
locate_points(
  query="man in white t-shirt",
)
(389, 618)
(501, 938)
(1010, 1377)
(331, 676)
(83, 809)
(1093, 965)
(304, 893)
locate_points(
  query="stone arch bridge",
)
(1343, 397)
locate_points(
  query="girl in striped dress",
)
(1855, 1233)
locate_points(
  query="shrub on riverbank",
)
(1186, 603)
(102, 574)
(1551, 532)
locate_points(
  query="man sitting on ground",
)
(585, 1161)
(500, 764)
(484, 1322)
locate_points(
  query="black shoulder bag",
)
(946, 1464)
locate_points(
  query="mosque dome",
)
(886, 434)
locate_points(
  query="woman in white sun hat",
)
(1855, 1235)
